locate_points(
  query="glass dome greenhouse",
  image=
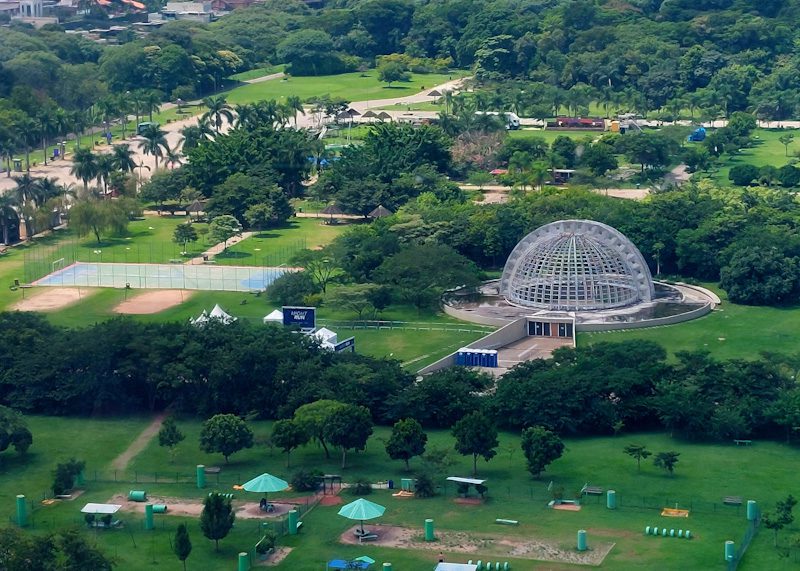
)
(576, 265)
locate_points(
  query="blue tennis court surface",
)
(163, 276)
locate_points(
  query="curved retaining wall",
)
(669, 320)
(473, 317)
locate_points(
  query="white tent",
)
(275, 317)
(219, 313)
(325, 335)
(201, 319)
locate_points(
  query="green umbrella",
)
(362, 509)
(265, 483)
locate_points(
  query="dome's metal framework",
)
(576, 265)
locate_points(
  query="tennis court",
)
(163, 276)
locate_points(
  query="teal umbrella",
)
(362, 509)
(265, 483)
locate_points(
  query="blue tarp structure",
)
(697, 135)
(344, 564)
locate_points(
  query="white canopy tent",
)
(275, 317)
(217, 313)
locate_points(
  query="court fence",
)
(48, 256)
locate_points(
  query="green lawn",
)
(730, 332)
(276, 247)
(766, 150)
(351, 86)
(704, 475)
(549, 135)
(256, 73)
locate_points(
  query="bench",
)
(593, 491)
(367, 537)
(732, 500)
(743, 442)
(506, 521)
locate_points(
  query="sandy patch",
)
(331, 501)
(468, 501)
(484, 545)
(188, 507)
(275, 559)
(152, 301)
(51, 298)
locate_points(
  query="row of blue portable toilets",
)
(466, 357)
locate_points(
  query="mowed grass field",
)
(354, 86)
(729, 332)
(703, 476)
(766, 150)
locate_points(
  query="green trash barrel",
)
(244, 562)
(293, 518)
(201, 476)
(159, 508)
(429, 535)
(148, 517)
(581, 540)
(22, 511)
(137, 496)
(729, 551)
(752, 510)
(387, 567)
(611, 500)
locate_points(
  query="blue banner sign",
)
(302, 317)
(346, 345)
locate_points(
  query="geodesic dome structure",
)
(576, 265)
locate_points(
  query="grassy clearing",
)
(729, 332)
(256, 73)
(766, 150)
(703, 476)
(351, 86)
(276, 247)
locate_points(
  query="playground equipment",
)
(201, 476)
(22, 513)
(752, 510)
(674, 512)
(611, 500)
(663, 532)
(148, 517)
(582, 540)
(137, 496)
(429, 534)
(730, 551)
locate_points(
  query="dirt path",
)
(141, 442)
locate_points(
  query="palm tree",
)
(295, 105)
(46, 126)
(25, 129)
(154, 141)
(123, 107)
(218, 111)
(28, 190)
(7, 213)
(122, 156)
(151, 103)
(106, 108)
(84, 166)
(245, 114)
(173, 158)
(105, 166)
(193, 135)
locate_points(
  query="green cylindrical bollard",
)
(429, 535)
(292, 522)
(244, 562)
(729, 551)
(752, 510)
(611, 500)
(581, 540)
(387, 567)
(148, 517)
(22, 511)
(201, 476)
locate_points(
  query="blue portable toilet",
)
(483, 358)
(494, 358)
